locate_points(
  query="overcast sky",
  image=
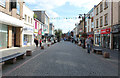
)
(63, 8)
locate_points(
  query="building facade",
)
(43, 17)
(102, 22)
(90, 23)
(115, 30)
(11, 14)
(28, 28)
(51, 29)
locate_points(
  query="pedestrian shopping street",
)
(63, 59)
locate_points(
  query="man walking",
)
(88, 42)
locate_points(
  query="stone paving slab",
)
(10, 51)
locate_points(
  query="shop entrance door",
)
(13, 36)
(116, 41)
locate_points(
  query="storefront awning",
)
(9, 20)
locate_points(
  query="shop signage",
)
(80, 30)
(116, 29)
(105, 31)
(28, 29)
(40, 32)
(97, 32)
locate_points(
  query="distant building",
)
(51, 29)
(43, 17)
(90, 23)
(28, 37)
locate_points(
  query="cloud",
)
(50, 5)
(65, 24)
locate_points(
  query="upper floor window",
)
(31, 20)
(106, 4)
(18, 8)
(28, 19)
(106, 19)
(101, 7)
(2, 3)
(97, 22)
(101, 21)
(25, 17)
(97, 10)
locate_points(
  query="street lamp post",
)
(88, 15)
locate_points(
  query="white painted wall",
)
(28, 25)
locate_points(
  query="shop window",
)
(106, 19)
(2, 3)
(101, 21)
(4, 35)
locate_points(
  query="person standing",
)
(88, 42)
(36, 42)
(40, 42)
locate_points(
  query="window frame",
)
(101, 21)
(101, 7)
(29, 19)
(18, 4)
(106, 15)
(97, 23)
(106, 5)
(97, 11)
(3, 3)
(25, 17)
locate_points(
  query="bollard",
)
(28, 53)
(48, 45)
(52, 43)
(106, 55)
(42, 47)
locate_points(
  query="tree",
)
(35, 16)
(58, 33)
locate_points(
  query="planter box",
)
(106, 55)
(28, 53)
(48, 45)
(42, 47)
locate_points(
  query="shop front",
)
(27, 36)
(105, 38)
(97, 38)
(10, 31)
(116, 37)
(3, 36)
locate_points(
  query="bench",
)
(97, 50)
(12, 58)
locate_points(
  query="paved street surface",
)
(63, 59)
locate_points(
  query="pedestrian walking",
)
(40, 42)
(36, 42)
(88, 42)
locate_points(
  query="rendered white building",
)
(28, 28)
